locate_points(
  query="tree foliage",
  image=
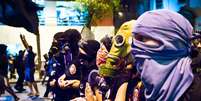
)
(97, 9)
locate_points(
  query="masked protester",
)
(87, 60)
(161, 48)
(105, 46)
(96, 85)
(117, 69)
(119, 53)
(66, 79)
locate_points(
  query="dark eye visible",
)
(147, 40)
(138, 37)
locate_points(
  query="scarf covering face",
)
(165, 69)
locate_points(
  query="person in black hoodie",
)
(87, 60)
(67, 75)
(19, 65)
(4, 84)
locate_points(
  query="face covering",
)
(165, 68)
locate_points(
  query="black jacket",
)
(193, 93)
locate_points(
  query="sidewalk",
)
(23, 96)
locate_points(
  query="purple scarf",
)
(165, 69)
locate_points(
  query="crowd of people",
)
(153, 58)
(24, 63)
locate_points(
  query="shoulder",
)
(193, 93)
